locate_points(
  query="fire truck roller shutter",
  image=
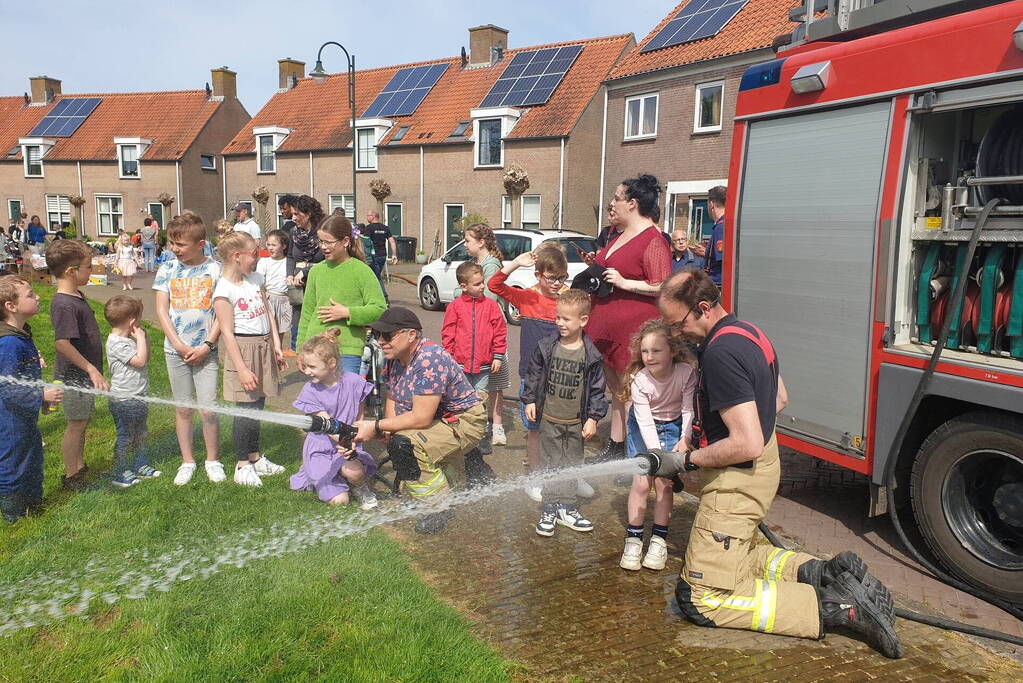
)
(806, 225)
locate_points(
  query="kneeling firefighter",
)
(433, 419)
(727, 579)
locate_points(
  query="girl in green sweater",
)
(341, 292)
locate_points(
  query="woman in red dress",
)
(638, 260)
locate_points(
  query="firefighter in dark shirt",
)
(728, 579)
(381, 237)
(715, 255)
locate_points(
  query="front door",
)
(393, 218)
(452, 212)
(14, 209)
(156, 211)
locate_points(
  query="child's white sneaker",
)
(367, 499)
(265, 468)
(498, 438)
(246, 475)
(632, 554)
(185, 473)
(584, 489)
(656, 554)
(535, 493)
(215, 471)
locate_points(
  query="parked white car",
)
(437, 282)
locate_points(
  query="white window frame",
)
(700, 87)
(25, 153)
(506, 212)
(246, 202)
(369, 150)
(444, 224)
(121, 161)
(476, 156)
(10, 209)
(277, 136)
(272, 155)
(280, 216)
(61, 201)
(522, 212)
(642, 99)
(99, 215)
(213, 157)
(347, 201)
(401, 210)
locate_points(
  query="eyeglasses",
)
(328, 243)
(386, 336)
(558, 280)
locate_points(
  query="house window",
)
(709, 97)
(641, 116)
(110, 216)
(367, 149)
(33, 161)
(58, 209)
(489, 151)
(530, 212)
(344, 201)
(400, 133)
(265, 151)
(460, 129)
(129, 158)
(207, 162)
(506, 211)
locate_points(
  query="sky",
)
(96, 46)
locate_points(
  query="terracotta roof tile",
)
(319, 117)
(171, 119)
(753, 28)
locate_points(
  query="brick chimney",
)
(225, 84)
(44, 89)
(483, 40)
(288, 68)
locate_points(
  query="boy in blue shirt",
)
(21, 444)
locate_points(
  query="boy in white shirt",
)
(276, 270)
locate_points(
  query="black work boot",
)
(477, 471)
(11, 507)
(612, 450)
(821, 574)
(847, 603)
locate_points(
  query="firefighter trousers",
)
(440, 452)
(728, 579)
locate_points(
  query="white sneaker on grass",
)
(584, 489)
(265, 468)
(246, 476)
(147, 472)
(535, 493)
(656, 554)
(185, 473)
(367, 499)
(499, 438)
(632, 554)
(215, 471)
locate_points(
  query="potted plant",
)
(421, 257)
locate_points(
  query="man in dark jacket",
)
(564, 392)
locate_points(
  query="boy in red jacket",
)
(475, 334)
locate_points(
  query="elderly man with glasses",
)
(433, 419)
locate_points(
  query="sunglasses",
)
(386, 336)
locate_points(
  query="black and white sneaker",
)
(569, 516)
(548, 518)
(612, 450)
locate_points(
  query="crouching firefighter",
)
(728, 580)
(433, 418)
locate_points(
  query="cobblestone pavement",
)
(564, 609)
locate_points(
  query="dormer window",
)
(368, 134)
(129, 151)
(490, 127)
(268, 140)
(32, 152)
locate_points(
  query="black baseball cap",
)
(396, 318)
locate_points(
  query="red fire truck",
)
(863, 158)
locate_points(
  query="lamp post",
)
(319, 75)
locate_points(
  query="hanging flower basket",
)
(516, 180)
(261, 195)
(380, 189)
(165, 199)
(76, 200)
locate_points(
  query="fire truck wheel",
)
(967, 493)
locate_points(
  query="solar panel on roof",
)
(699, 19)
(531, 77)
(65, 117)
(406, 91)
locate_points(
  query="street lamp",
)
(319, 75)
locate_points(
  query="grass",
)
(348, 609)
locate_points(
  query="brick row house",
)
(107, 159)
(671, 101)
(441, 135)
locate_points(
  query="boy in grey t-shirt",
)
(127, 354)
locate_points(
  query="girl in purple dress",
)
(328, 467)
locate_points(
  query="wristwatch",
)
(376, 426)
(211, 345)
(687, 461)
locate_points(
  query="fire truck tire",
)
(967, 495)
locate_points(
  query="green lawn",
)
(347, 609)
